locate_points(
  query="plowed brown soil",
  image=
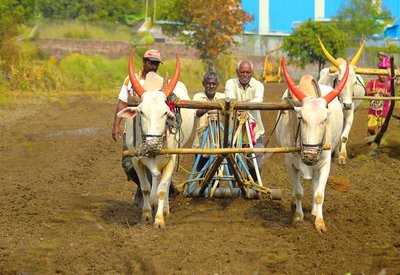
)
(66, 206)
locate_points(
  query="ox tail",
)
(339, 183)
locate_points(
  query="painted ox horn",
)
(135, 83)
(334, 60)
(300, 95)
(140, 90)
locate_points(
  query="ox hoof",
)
(166, 212)
(298, 218)
(341, 161)
(159, 224)
(147, 218)
(320, 226)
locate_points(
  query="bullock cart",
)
(226, 174)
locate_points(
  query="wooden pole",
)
(376, 98)
(223, 151)
(212, 105)
(385, 125)
(368, 71)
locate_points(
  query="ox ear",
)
(129, 112)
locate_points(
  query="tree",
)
(91, 10)
(208, 28)
(303, 47)
(360, 18)
(12, 13)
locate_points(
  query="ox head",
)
(153, 113)
(313, 115)
(346, 96)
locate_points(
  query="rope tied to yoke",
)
(221, 103)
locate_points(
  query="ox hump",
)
(153, 82)
(306, 85)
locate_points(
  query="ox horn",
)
(135, 83)
(328, 55)
(171, 85)
(358, 54)
(336, 91)
(296, 91)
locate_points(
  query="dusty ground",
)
(66, 206)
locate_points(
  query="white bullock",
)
(153, 132)
(354, 87)
(318, 121)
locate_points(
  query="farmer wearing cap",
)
(151, 62)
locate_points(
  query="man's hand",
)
(116, 134)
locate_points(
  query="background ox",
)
(153, 132)
(319, 120)
(354, 87)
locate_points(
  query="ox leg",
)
(348, 122)
(145, 186)
(319, 182)
(153, 193)
(162, 192)
(297, 194)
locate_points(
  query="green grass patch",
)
(85, 30)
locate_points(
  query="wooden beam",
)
(376, 97)
(212, 105)
(367, 71)
(223, 151)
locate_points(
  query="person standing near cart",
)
(246, 88)
(378, 109)
(210, 84)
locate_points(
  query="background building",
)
(280, 17)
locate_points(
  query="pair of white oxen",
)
(317, 121)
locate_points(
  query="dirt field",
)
(66, 206)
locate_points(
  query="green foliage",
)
(88, 10)
(143, 38)
(4, 87)
(202, 26)
(303, 47)
(19, 11)
(83, 30)
(164, 8)
(360, 18)
(92, 73)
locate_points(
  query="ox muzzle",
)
(151, 145)
(310, 154)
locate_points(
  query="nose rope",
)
(308, 151)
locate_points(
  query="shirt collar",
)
(247, 86)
